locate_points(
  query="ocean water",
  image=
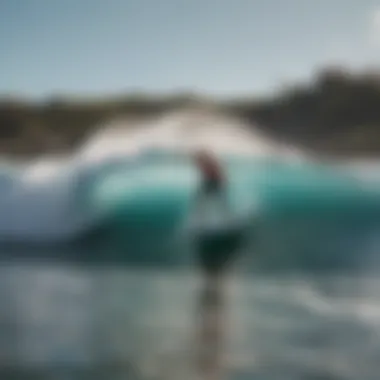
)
(100, 278)
(69, 322)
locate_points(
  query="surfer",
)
(216, 252)
(212, 189)
(213, 264)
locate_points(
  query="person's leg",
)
(211, 327)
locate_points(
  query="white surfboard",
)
(212, 217)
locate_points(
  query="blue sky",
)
(220, 47)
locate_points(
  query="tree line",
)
(338, 112)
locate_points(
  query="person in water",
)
(213, 263)
(212, 188)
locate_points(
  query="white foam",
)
(37, 200)
(183, 132)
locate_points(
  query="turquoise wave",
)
(304, 214)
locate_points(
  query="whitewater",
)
(40, 201)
